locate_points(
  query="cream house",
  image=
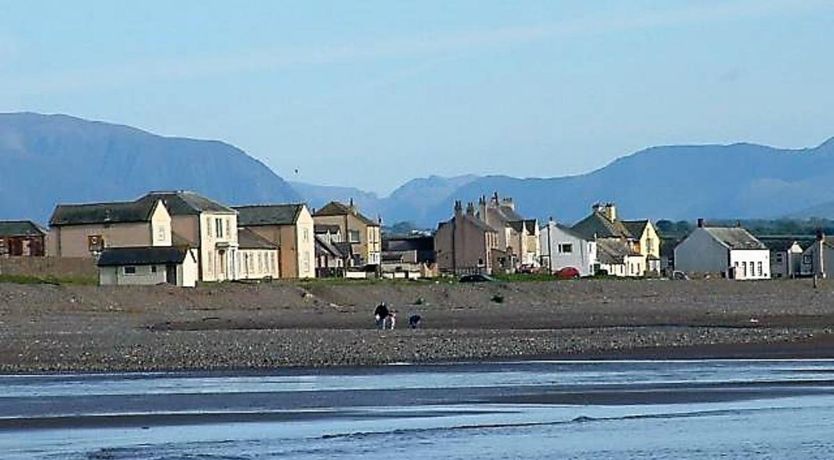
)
(517, 237)
(290, 227)
(206, 225)
(362, 233)
(85, 230)
(257, 257)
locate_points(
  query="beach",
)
(233, 326)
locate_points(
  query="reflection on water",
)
(635, 409)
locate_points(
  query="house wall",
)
(59, 267)
(701, 253)
(582, 255)
(471, 249)
(71, 240)
(144, 276)
(257, 264)
(218, 253)
(160, 226)
(188, 273)
(305, 236)
(22, 246)
(650, 241)
(369, 242)
(755, 258)
(812, 265)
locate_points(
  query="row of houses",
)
(182, 238)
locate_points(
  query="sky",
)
(371, 94)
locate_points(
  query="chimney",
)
(610, 211)
(470, 209)
(820, 235)
(738, 223)
(495, 198)
(507, 202)
(352, 206)
(458, 208)
(700, 222)
(596, 207)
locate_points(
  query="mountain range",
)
(47, 159)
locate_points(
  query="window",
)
(160, 233)
(759, 268)
(306, 262)
(153, 268)
(218, 227)
(260, 262)
(566, 248)
(744, 269)
(306, 235)
(208, 226)
(806, 259)
(353, 236)
(129, 270)
(779, 258)
(228, 228)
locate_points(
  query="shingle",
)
(735, 237)
(273, 214)
(162, 255)
(99, 213)
(185, 203)
(597, 225)
(247, 239)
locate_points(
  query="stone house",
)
(22, 238)
(362, 233)
(465, 244)
(518, 237)
(291, 229)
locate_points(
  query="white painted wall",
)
(583, 253)
(751, 264)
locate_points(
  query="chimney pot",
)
(700, 222)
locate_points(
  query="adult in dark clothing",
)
(380, 314)
(414, 321)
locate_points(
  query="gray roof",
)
(270, 214)
(597, 225)
(247, 239)
(98, 213)
(570, 231)
(479, 224)
(334, 208)
(635, 227)
(185, 203)
(781, 243)
(325, 228)
(160, 255)
(322, 245)
(735, 237)
(20, 228)
(613, 251)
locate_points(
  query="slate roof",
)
(570, 231)
(612, 251)
(529, 224)
(597, 225)
(271, 214)
(480, 225)
(334, 208)
(735, 237)
(325, 228)
(99, 213)
(247, 239)
(322, 245)
(21, 228)
(635, 228)
(186, 203)
(161, 255)
(781, 243)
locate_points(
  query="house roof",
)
(479, 224)
(599, 226)
(160, 255)
(326, 228)
(408, 243)
(735, 237)
(334, 208)
(97, 213)
(668, 245)
(781, 243)
(271, 214)
(613, 251)
(322, 245)
(185, 203)
(20, 228)
(635, 227)
(528, 224)
(247, 239)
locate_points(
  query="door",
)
(171, 274)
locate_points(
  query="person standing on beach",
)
(380, 314)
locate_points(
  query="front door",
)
(171, 274)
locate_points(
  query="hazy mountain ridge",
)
(57, 158)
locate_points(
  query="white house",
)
(730, 251)
(619, 258)
(148, 266)
(562, 247)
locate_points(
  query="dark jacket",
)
(381, 311)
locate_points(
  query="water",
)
(564, 409)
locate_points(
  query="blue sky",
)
(373, 93)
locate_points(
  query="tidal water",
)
(732, 409)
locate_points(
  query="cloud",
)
(135, 72)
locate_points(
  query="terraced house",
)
(362, 233)
(290, 228)
(22, 238)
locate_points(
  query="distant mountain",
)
(317, 196)
(738, 181)
(47, 159)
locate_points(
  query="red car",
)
(567, 273)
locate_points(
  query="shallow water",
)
(564, 409)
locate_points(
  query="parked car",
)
(679, 275)
(567, 273)
(476, 278)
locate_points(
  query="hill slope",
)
(57, 158)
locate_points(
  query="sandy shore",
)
(234, 326)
